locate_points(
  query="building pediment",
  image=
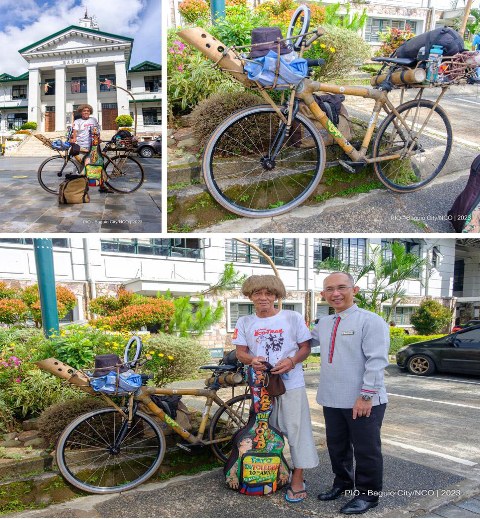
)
(76, 40)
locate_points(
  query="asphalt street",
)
(381, 210)
(26, 207)
(431, 445)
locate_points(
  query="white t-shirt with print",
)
(274, 338)
(84, 127)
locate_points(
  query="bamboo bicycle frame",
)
(229, 61)
(77, 378)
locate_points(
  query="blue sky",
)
(23, 22)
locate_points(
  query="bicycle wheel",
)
(52, 171)
(124, 174)
(240, 173)
(429, 153)
(226, 421)
(299, 24)
(91, 457)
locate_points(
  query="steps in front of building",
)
(32, 147)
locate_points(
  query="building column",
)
(34, 102)
(121, 81)
(92, 87)
(60, 98)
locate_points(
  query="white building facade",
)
(97, 266)
(77, 65)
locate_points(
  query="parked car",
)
(458, 352)
(459, 327)
(148, 149)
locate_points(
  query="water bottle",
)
(434, 60)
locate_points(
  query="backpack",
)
(256, 466)
(450, 40)
(468, 199)
(74, 190)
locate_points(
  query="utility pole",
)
(217, 9)
(43, 250)
(466, 14)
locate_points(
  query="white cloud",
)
(123, 17)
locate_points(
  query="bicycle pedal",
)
(189, 447)
(184, 447)
(351, 166)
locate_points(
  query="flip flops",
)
(295, 494)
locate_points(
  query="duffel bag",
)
(419, 46)
(74, 190)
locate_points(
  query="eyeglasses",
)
(341, 288)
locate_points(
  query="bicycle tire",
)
(93, 467)
(50, 173)
(225, 424)
(270, 188)
(302, 13)
(128, 177)
(413, 172)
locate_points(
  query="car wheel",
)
(146, 152)
(421, 365)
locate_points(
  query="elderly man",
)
(281, 338)
(354, 346)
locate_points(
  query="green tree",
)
(431, 317)
(390, 272)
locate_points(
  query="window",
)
(78, 85)
(238, 310)
(401, 315)
(375, 26)
(129, 84)
(282, 251)
(49, 87)
(19, 92)
(435, 257)
(56, 242)
(109, 77)
(348, 250)
(151, 116)
(15, 121)
(68, 318)
(109, 106)
(458, 275)
(153, 83)
(470, 339)
(175, 247)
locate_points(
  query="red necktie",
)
(332, 339)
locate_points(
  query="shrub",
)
(396, 339)
(36, 391)
(13, 311)
(124, 120)
(29, 125)
(411, 339)
(28, 344)
(342, 49)
(156, 313)
(109, 305)
(430, 317)
(56, 417)
(187, 355)
(186, 320)
(66, 301)
(392, 38)
(192, 77)
(209, 113)
(194, 10)
(7, 292)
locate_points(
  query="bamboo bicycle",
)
(119, 447)
(265, 160)
(123, 173)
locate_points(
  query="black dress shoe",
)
(358, 506)
(333, 493)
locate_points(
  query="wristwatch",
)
(367, 398)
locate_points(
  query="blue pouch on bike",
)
(117, 383)
(277, 72)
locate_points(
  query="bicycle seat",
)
(397, 61)
(222, 367)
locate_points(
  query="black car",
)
(458, 352)
(148, 149)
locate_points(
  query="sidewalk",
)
(205, 495)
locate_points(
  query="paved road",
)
(26, 207)
(382, 210)
(431, 444)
